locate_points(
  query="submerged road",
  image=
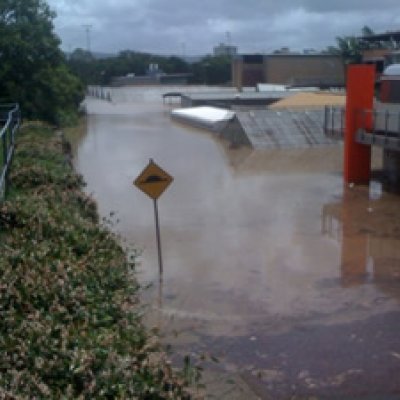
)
(290, 280)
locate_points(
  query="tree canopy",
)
(209, 70)
(352, 47)
(33, 71)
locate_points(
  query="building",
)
(321, 70)
(225, 50)
(383, 50)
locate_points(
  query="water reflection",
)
(367, 226)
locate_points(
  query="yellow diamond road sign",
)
(153, 180)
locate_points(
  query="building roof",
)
(236, 95)
(268, 129)
(310, 100)
(382, 37)
(260, 57)
(207, 114)
(211, 118)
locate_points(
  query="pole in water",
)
(160, 263)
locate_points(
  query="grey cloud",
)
(255, 25)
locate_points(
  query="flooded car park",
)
(271, 265)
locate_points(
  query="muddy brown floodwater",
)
(291, 280)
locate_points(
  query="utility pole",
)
(228, 38)
(88, 29)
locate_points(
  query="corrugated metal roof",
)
(284, 129)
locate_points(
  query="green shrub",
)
(70, 321)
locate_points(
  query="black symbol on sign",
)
(154, 179)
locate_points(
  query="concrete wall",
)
(313, 70)
(247, 74)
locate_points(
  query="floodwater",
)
(270, 265)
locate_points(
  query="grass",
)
(70, 320)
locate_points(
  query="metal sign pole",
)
(153, 181)
(160, 264)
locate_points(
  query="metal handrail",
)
(10, 117)
(384, 122)
(334, 121)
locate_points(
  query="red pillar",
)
(360, 95)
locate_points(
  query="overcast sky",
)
(194, 27)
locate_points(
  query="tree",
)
(83, 64)
(350, 49)
(212, 70)
(367, 31)
(32, 66)
(101, 71)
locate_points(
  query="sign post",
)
(153, 181)
(160, 263)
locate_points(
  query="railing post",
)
(365, 119)
(386, 123)
(398, 123)
(7, 142)
(341, 122)
(373, 121)
(4, 140)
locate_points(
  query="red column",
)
(360, 95)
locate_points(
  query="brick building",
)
(288, 69)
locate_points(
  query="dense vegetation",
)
(70, 324)
(33, 70)
(351, 47)
(95, 71)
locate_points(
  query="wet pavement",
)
(271, 266)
